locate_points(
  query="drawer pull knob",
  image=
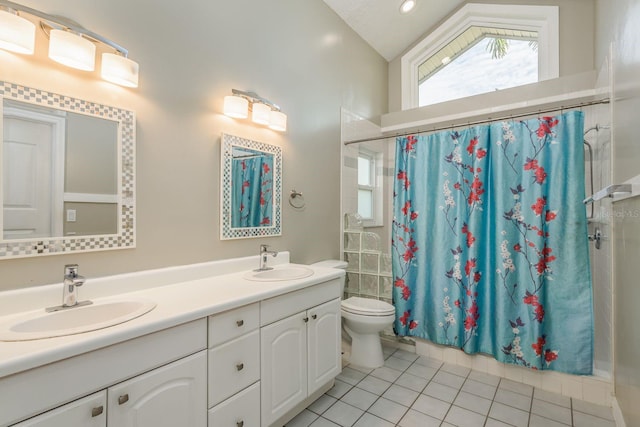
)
(239, 323)
(97, 411)
(123, 399)
(240, 366)
(314, 317)
(306, 319)
(240, 423)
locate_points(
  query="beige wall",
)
(91, 156)
(576, 41)
(618, 41)
(91, 219)
(298, 54)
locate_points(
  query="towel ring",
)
(296, 199)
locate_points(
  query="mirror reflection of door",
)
(33, 155)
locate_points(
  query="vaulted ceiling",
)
(380, 23)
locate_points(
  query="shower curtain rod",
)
(483, 121)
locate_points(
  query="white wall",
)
(298, 54)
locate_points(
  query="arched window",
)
(482, 48)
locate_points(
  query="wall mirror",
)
(67, 174)
(251, 188)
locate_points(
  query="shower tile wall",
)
(601, 259)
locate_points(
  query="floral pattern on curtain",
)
(490, 248)
(252, 200)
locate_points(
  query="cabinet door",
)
(284, 366)
(172, 395)
(324, 344)
(89, 411)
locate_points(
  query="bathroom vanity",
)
(221, 348)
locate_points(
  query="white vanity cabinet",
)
(160, 379)
(172, 395)
(300, 350)
(254, 365)
(234, 368)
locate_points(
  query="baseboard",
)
(617, 413)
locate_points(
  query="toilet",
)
(363, 320)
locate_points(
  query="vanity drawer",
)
(241, 410)
(233, 366)
(233, 323)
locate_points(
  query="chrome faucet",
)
(70, 285)
(264, 251)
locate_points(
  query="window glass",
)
(365, 169)
(492, 62)
(365, 203)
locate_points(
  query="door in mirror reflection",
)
(31, 166)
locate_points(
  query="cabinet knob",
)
(240, 366)
(239, 323)
(123, 399)
(240, 423)
(314, 317)
(306, 319)
(97, 411)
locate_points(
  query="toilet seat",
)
(367, 307)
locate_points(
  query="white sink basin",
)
(101, 314)
(279, 273)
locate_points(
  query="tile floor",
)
(412, 391)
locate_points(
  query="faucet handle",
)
(71, 270)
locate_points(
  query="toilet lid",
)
(367, 306)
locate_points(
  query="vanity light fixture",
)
(17, 34)
(407, 6)
(263, 111)
(69, 43)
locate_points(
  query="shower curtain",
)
(490, 247)
(252, 199)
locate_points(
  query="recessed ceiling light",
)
(446, 60)
(407, 6)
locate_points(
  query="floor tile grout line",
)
(499, 386)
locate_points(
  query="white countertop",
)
(177, 303)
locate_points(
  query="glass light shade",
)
(72, 50)
(261, 113)
(236, 107)
(278, 121)
(119, 70)
(16, 33)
